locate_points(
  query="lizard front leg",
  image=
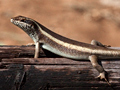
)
(99, 68)
(37, 49)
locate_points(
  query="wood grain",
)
(53, 73)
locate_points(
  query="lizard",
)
(65, 47)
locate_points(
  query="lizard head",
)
(23, 22)
(28, 25)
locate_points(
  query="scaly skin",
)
(63, 46)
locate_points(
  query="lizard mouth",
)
(16, 22)
(13, 21)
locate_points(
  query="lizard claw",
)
(102, 77)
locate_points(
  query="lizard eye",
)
(26, 21)
(22, 20)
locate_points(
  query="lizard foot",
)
(102, 77)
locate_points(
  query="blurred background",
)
(81, 20)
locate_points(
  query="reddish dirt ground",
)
(81, 20)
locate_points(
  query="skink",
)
(65, 47)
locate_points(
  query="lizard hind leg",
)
(97, 43)
(98, 67)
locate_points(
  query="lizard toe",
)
(101, 76)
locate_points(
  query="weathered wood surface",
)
(22, 51)
(52, 73)
(16, 51)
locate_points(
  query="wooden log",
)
(16, 51)
(7, 51)
(53, 73)
(62, 74)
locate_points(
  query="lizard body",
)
(63, 46)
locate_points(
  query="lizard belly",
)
(61, 53)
